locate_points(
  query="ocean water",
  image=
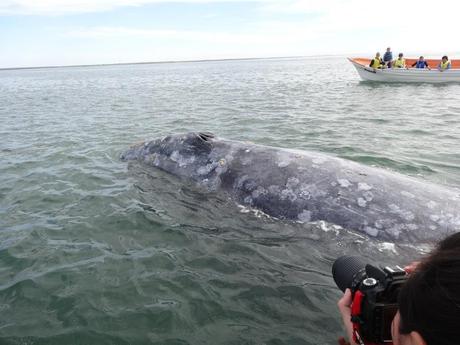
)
(94, 252)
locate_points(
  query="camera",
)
(375, 296)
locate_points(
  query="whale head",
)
(188, 155)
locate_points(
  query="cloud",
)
(268, 33)
(61, 7)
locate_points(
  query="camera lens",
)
(348, 271)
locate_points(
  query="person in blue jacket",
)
(388, 57)
(421, 63)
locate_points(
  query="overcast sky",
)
(67, 32)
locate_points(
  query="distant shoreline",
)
(207, 60)
(161, 62)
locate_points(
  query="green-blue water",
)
(94, 253)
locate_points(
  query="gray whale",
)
(308, 186)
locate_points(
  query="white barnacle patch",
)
(371, 231)
(412, 227)
(394, 208)
(431, 204)
(175, 156)
(304, 192)
(283, 163)
(247, 150)
(248, 200)
(344, 183)
(222, 161)
(206, 169)
(395, 231)
(304, 216)
(288, 194)
(292, 182)
(181, 160)
(318, 160)
(364, 186)
(434, 217)
(284, 159)
(407, 215)
(409, 195)
(368, 196)
(362, 202)
(378, 224)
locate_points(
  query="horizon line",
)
(166, 61)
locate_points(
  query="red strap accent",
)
(355, 314)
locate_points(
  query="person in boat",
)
(428, 302)
(388, 57)
(377, 62)
(421, 63)
(400, 62)
(444, 64)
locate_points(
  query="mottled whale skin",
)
(308, 186)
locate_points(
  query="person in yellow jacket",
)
(400, 62)
(377, 62)
(444, 64)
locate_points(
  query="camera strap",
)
(356, 318)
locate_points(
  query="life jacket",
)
(399, 63)
(375, 63)
(444, 65)
(420, 64)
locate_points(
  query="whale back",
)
(308, 186)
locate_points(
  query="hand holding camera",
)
(372, 293)
(417, 305)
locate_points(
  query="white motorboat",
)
(409, 75)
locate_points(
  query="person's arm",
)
(414, 64)
(427, 66)
(372, 62)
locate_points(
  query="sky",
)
(74, 32)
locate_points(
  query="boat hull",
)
(402, 75)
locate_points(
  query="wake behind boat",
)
(411, 75)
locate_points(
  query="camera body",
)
(375, 296)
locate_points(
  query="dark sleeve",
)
(426, 64)
(370, 65)
(415, 63)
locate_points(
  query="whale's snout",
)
(133, 152)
